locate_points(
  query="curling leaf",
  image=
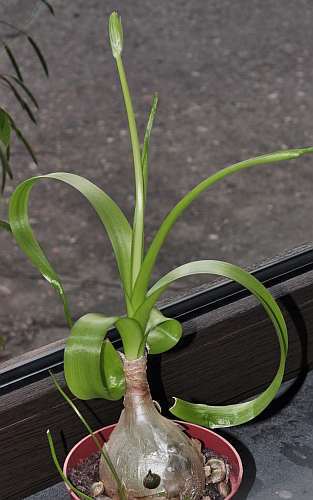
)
(162, 334)
(87, 366)
(229, 415)
(147, 266)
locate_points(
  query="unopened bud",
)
(116, 34)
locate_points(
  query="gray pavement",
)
(234, 80)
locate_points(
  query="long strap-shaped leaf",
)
(146, 143)
(229, 415)
(92, 367)
(142, 282)
(112, 217)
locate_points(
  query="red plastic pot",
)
(86, 447)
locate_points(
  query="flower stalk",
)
(116, 39)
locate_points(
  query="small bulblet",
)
(145, 446)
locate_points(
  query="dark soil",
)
(87, 473)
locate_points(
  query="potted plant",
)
(146, 455)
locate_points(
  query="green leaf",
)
(39, 54)
(19, 98)
(162, 333)
(90, 368)
(102, 449)
(132, 335)
(24, 141)
(229, 415)
(5, 137)
(11, 125)
(79, 493)
(24, 87)
(13, 61)
(5, 164)
(142, 282)
(146, 143)
(111, 216)
(5, 128)
(113, 370)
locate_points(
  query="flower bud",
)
(116, 34)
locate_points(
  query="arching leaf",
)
(143, 279)
(162, 333)
(111, 216)
(229, 415)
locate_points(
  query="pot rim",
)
(180, 422)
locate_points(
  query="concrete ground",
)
(234, 80)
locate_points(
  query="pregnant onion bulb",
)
(151, 454)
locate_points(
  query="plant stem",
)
(138, 225)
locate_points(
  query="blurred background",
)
(234, 81)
